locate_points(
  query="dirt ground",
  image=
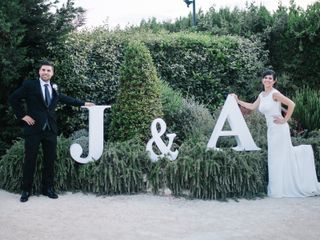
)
(146, 216)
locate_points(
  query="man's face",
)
(46, 72)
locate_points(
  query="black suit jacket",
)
(31, 92)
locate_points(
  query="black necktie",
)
(47, 95)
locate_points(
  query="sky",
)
(130, 12)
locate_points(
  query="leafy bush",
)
(185, 117)
(138, 101)
(307, 109)
(126, 168)
(121, 169)
(11, 167)
(200, 66)
(87, 67)
(81, 137)
(208, 67)
(198, 173)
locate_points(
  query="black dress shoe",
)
(24, 196)
(49, 192)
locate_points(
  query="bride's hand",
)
(279, 120)
(235, 96)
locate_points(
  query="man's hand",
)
(29, 120)
(89, 104)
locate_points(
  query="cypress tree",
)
(138, 101)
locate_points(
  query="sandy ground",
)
(146, 216)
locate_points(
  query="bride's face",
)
(268, 81)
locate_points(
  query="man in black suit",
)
(40, 126)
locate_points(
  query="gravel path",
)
(146, 216)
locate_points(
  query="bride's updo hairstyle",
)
(270, 72)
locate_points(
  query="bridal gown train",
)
(291, 169)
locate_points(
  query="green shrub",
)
(81, 137)
(138, 101)
(208, 67)
(87, 67)
(120, 170)
(125, 168)
(185, 117)
(307, 109)
(200, 66)
(198, 173)
(11, 168)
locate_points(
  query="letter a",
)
(231, 112)
(95, 136)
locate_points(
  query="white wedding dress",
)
(291, 169)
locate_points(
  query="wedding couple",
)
(291, 169)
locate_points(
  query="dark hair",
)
(270, 72)
(46, 63)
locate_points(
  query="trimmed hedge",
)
(185, 117)
(120, 170)
(138, 100)
(11, 167)
(201, 66)
(208, 67)
(125, 168)
(307, 109)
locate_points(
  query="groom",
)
(38, 118)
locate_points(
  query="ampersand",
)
(156, 138)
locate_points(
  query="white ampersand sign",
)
(156, 138)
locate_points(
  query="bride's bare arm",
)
(286, 101)
(250, 106)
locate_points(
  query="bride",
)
(291, 169)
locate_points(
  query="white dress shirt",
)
(43, 87)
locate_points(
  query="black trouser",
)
(48, 141)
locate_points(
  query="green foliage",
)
(293, 47)
(88, 67)
(126, 168)
(81, 137)
(11, 64)
(121, 169)
(200, 66)
(46, 28)
(207, 67)
(307, 109)
(29, 30)
(11, 167)
(185, 117)
(290, 35)
(138, 102)
(198, 173)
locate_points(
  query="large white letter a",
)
(239, 128)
